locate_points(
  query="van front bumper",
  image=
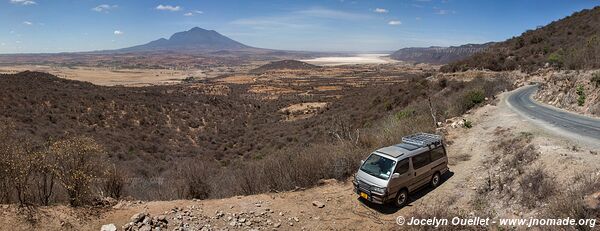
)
(374, 197)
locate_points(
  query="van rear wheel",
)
(435, 180)
(401, 198)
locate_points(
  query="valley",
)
(272, 118)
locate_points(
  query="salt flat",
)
(350, 60)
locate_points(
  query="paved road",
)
(583, 126)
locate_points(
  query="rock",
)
(137, 217)
(296, 219)
(318, 204)
(162, 218)
(145, 228)
(242, 220)
(458, 124)
(109, 227)
(128, 226)
(277, 225)
(147, 220)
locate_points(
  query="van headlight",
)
(378, 190)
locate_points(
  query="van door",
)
(422, 170)
(402, 168)
(439, 159)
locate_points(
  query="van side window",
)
(421, 160)
(402, 167)
(437, 153)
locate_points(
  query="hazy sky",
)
(325, 25)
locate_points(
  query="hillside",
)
(438, 55)
(333, 205)
(284, 65)
(193, 40)
(570, 43)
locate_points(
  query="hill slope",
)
(193, 40)
(571, 43)
(438, 55)
(284, 64)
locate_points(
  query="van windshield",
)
(378, 166)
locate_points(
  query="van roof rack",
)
(423, 139)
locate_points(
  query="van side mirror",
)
(395, 175)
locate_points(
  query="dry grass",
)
(570, 203)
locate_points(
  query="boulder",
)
(108, 227)
(318, 204)
(138, 217)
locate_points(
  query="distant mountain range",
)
(193, 40)
(569, 43)
(438, 55)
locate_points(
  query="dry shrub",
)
(536, 186)
(77, 162)
(194, 174)
(570, 203)
(512, 175)
(113, 182)
(441, 210)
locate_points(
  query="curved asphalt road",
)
(578, 125)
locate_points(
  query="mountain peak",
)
(194, 40)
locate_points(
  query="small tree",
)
(581, 93)
(78, 161)
(556, 58)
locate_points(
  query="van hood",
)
(371, 180)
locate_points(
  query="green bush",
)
(468, 124)
(405, 113)
(581, 93)
(555, 58)
(474, 97)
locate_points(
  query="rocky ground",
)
(333, 205)
(560, 89)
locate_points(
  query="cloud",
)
(168, 7)
(104, 8)
(118, 32)
(381, 10)
(394, 22)
(193, 12)
(23, 2)
(27, 23)
(418, 18)
(444, 12)
(331, 14)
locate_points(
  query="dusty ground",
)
(111, 77)
(343, 211)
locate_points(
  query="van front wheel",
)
(401, 198)
(435, 180)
